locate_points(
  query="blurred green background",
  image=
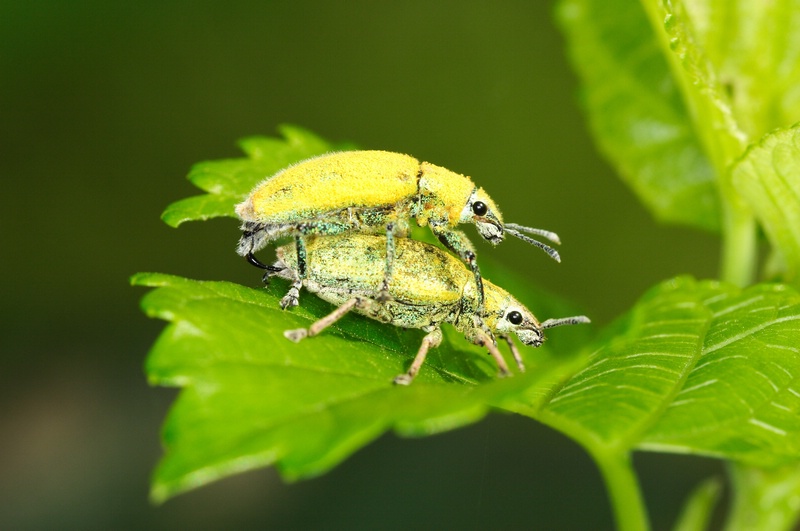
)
(104, 106)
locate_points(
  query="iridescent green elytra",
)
(372, 192)
(428, 287)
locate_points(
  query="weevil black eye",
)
(514, 317)
(479, 208)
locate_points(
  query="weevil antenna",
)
(536, 243)
(577, 319)
(550, 235)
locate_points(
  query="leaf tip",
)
(140, 279)
(160, 493)
(172, 218)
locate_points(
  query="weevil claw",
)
(291, 299)
(296, 335)
(402, 379)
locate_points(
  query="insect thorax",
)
(442, 195)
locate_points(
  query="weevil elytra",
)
(428, 287)
(372, 192)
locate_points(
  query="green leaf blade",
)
(636, 111)
(635, 374)
(697, 367)
(742, 400)
(768, 175)
(251, 398)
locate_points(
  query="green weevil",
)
(371, 192)
(428, 287)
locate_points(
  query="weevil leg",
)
(270, 272)
(432, 340)
(299, 333)
(484, 340)
(384, 295)
(472, 262)
(478, 324)
(251, 258)
(514, 352)
(458, 242)
(302, 255)
(292, 297)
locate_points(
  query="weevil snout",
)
(523, 324)
(530, 336)
(491, 230)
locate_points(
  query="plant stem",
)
(739, 245)
(623, 488)
(699, 507)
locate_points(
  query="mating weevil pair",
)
(323, 200)
(372, 192)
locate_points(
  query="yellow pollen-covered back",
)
(333, 182)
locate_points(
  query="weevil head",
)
(481, 210)
(504, 314)
(451, 198)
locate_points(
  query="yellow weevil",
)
(371, 192)
(428, 287)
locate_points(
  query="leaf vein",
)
(767, 427)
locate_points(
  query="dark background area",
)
(104, 106)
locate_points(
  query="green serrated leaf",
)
(252, 398)
(695, 367)
(768, 175)
(297, 142)
(228, 181)
(755, 49)
(636, 110)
